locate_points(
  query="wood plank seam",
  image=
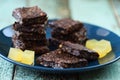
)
(68, 6)
(13, 74)
(115, 12)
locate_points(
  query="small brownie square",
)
(29, 36)
(36, 28)
(78, 50)
(30, 15)
(76, 37)
(66, 26)
(29, 43)
(38, 47)
(58, 59)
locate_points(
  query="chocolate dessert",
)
(58, 59)
(78, 50)
(66, 26)
(30, 15)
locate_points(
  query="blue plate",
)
(93, 32)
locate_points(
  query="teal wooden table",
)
(105, 13)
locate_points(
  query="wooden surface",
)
(105, 13)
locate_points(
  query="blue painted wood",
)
(6, 70)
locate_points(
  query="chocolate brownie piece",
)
(37, 28)
(29, 36)
(38, 47)
(66, 26)
(29, 43)
(57, 59)
(78, 50)
(30, 15)
(54, 43)
(76, 37)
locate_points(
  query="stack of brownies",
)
(68, 30)
(30, 29)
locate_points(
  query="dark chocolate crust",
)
(57, 59)
(30, 15)
(66, 26)
(78, 50)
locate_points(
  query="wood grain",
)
(28, 74)
(116, 8)
(110, 72)
(6, 70)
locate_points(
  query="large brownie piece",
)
(57, 59)
(66, 26)
(78, 50)
(30, 15)
(30, 36)
(36, 28)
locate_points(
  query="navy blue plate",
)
(93, 32)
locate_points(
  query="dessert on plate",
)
(68, 39)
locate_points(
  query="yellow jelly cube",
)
(102, 47)
(91, 43)
(28, 57)
(106, 45)
(15, 54)
(101, 50)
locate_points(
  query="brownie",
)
(78, 50)
(28, 43)
(66, 26)
(29, 36)
(36, 28)
(57, 59)
(76, 37)
(30, 15)
(38, 47)
(54, 43)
